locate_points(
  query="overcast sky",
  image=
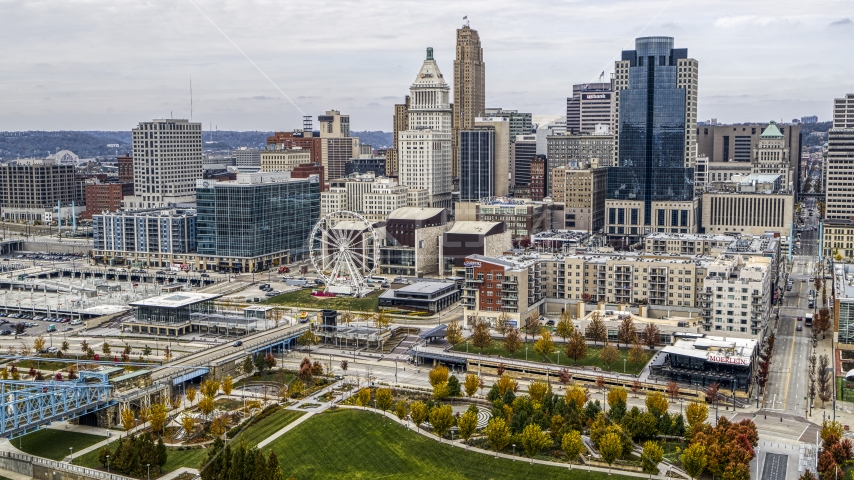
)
(108, 64)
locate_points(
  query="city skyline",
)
(103, 67)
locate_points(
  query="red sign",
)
(730, 360)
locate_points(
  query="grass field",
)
(363, 445)
(592, 359)
(193, 457)
(270, 425)
(303, 298)
(54, 444)
(277, 376)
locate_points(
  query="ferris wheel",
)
(344, 250)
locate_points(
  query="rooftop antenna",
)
(191, 99)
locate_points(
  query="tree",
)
(206, 405)
(544, 346)
(128, 419)
(656, 403)
(191, 395)
(576, 394)
(227, 385)
(467, 424)
(401, 409)
(673, 390)
(248, 365)
(454, 333)
(694, 459)
(363, 397)
(384, 399)
(210, 387)
(512, 341)
(538, 390)
(454, 386)
(825, 392)
(471, 384)
(270, 361)
(497, 433)
(627, 332)
(344, 365)
(712, 393)
(572, 446)
(188, 423)
(636, 387)
(564, 376)
(418, 412)
(65, 346)
(481, 337)
(696, 413)
(146, 351)
(439, 374)
(822, 320)
(381, 319)
(157, 417)
(307, 339)
(441, 391)
(105, 348)
(144, 414)
(564, 327)
(161, 454)
(506, 384)
(596, 329)
(502, 323)
(532, 326)
(651, 335)
(611, 448)
(617, 395)
(167, 353)
(441, 419)
(534, 439)
(39, 343)
(637, 355)
(219, 425)
(608, 355)
(651, 456)
(576, 348)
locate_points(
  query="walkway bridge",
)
(26, 406)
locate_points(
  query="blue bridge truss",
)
(26, 406)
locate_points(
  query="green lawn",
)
(193, 457)
(303, 298)
(268, 426)
(54, 444)
(592, 359)
(357, 444)
(277, 376)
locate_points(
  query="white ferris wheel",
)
(344, 250)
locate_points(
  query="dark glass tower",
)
(477, 164)
(655, 109)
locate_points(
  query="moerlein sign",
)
(730, 360)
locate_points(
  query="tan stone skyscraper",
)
(469, 88)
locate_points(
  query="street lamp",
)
(71, 455)
(624, 365)
(148, 471)
(108, 464)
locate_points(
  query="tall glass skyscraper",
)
(655, 123)
(477, 164)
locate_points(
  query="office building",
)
(31, 189)
(304, 139)
(484, 159)
(400, 123)
(412, 241)
(167, 161)
(686, 244)
(809, 119)
(582, 191)
(575, 151)
(520, 122)
(842, 293)
(306, 170)
(753, 205)
(473, 238)
(374, 197)
(590, 105)
(469, 88)
(651, 186)
(125, 163)
(255, 222)
(424, 150)
(362, 165)
(522, 152)
(337, 147)
(104, 197)
(771, 156)
(150, 238)
(283, 158)
(539, 187)
(838, 231)
(524, 217)
(424, 296)
(246, 157)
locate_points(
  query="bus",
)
(808, 320)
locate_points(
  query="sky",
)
(262, 65)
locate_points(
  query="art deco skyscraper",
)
(424, 151)
(469, 87)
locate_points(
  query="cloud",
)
(841, 23)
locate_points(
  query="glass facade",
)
(249, 220)
(477, 164)
(652, 129)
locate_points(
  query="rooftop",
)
(843, 280)
(175, 300)
(424, 287)
(735, 351)
(772, 131)
(476, 228)
(414, 213)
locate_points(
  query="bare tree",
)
(825, 391)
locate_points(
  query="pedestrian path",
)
(285, 430)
